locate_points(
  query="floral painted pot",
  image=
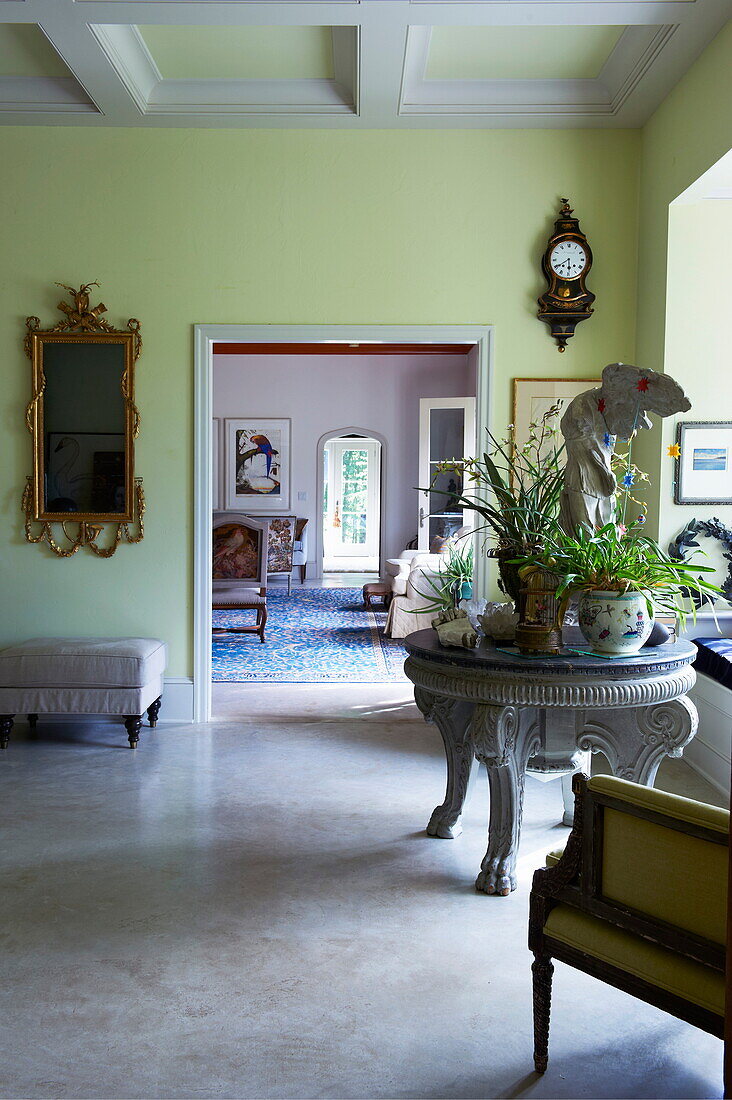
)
(614, 624)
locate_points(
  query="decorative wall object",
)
(83, 422)
(704, 463)
(533, 397)
(566, 262)
(258, 465)
(686, 543)
(590, 427)
(215, 463)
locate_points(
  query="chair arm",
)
(672, 806)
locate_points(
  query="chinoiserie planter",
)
(614, 623)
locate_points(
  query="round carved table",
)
(512, 713)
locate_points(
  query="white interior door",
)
(352, 506)
(446, 430)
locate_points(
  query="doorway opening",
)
(382, 371)
(351, 503)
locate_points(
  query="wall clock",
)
(565, 263)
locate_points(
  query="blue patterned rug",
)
(315, 635)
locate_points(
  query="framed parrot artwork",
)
(258, 465)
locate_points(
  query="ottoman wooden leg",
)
(133, 725)
(32, 722)
(6, 725)
(153, 711)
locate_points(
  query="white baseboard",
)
(710, 752)
(177, 700)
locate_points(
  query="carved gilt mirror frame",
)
(83, 423)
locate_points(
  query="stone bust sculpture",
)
(593, 421)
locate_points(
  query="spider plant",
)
(615, 558)
(446, 585)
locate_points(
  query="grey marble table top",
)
(424, 645)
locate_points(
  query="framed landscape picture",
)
(532, 397)
(257, 465)
(704, 465)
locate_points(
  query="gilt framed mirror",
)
(83, 422)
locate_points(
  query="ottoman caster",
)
(133, 725)
(153, 711)
(6, 725)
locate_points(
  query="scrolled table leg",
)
(452, 718)
(636, 740)
(504, 738)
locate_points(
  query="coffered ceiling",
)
(347, 63)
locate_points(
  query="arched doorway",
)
(351, 462)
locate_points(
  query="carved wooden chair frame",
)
(576, 880)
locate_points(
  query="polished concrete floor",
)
(252, 909)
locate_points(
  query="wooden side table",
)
(512, 713)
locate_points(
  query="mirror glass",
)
(84, 461)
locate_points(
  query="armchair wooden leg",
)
(261, 623)
(542, 969)
(303, 569)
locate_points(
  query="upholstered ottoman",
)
(121, 676)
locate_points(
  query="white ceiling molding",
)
(380, 49)
(45, 94)
(556, 102)
(127, 52)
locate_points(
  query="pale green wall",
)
(688, 133)
(697, 336)
(284, 227)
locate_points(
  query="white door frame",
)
(427, 405)
(204, 338)
(336, 433)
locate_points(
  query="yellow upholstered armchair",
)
(638, 899)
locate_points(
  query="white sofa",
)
(405, 610)
(398, 569)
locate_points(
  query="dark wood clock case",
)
(566, 301)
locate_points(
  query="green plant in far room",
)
(514, 490)
(622, 577)
(453, 580)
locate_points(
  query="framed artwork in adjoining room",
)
(215, 464)
(257, 465)
(704, 462)
(532, 397)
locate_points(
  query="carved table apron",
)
(510, 713)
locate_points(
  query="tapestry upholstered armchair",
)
(637, 899)
(240, 570)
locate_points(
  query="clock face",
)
(568, 259)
